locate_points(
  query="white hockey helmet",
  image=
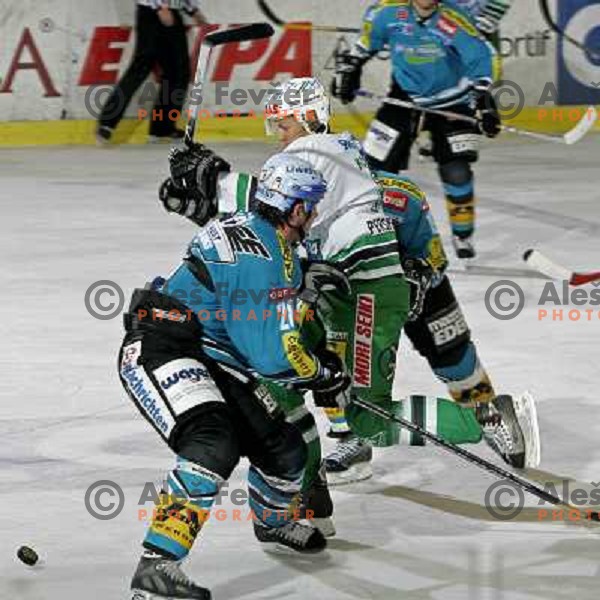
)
(286, 179)
(303, 98)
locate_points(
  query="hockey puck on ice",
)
(27, 555)
(527, 254)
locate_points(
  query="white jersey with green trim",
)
(350, 227)
(341, 159)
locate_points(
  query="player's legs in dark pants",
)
(275, 448)
(145, 54)
(209, 419)
(173, 59)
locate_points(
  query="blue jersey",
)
(434, 60)
(470, 7)
(241, 278)
(418, 236)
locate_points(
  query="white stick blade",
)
(583, 127)
(536, 260)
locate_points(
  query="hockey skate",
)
(103, 135)
(350, 462)
(294, 535)
(463, 247)
(159, 578)
(511, 430)
(317, 506)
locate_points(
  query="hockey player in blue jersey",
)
(439, 60)
(194, 348)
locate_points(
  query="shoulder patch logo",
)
(395, 200)
(446, 26)
(402, 184)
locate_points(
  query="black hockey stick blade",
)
(254, 31)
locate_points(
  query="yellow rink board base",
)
(130, 131)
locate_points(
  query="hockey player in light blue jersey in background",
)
(438, 60)
(195, 346)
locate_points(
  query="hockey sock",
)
(337, 421)
(274, 501)
(183, 507)
(305, 422)
(460, 203)
(441, 416)
(292, 404)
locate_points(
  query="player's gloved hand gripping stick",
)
(571, 137)
(194, 172)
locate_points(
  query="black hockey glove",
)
(346, 81)
(187, 203)
(330, 390)
(419, 275)
(323, 276)
(197, 168)
(490, 123)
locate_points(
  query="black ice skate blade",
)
(137, 594)
(276, 549)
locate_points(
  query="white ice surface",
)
(418, 530)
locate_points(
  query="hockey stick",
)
(571, 137)
(544, 265)
(266, 9)
(246, 33)
(545, 10)
(470, 457)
